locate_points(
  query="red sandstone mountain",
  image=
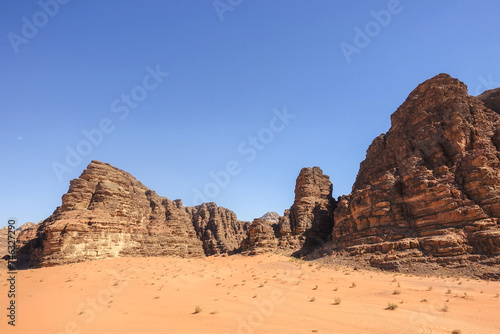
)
(428, 191)
(108, 213)
(430, 185)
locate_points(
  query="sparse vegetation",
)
(198, 309)
(448, 291)
(353, 285)
(396, 292)
(444, 308)
(429, 288)
(337, 301)
(392, 306)
(313, 299)
(456, 331)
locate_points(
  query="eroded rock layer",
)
(261, 238)
(306, 225)
(108, 213)
(431, 183)
(311, 214)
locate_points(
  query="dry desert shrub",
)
(392, 306)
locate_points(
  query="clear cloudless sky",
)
(226, 76)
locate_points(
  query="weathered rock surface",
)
(491, 99)
(108, 213)
(273, 217)
(431, 184)
(218, 228)
(4, 237)
(307, 224)
(311, 214)
(261, 238)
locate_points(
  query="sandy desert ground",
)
(238, 294)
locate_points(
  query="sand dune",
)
(237, 294)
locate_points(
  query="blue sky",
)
(235, 68)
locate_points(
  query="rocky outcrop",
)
(261, 238)
(218, 228)
(431, 184)
(491, 99)
(4, 238)
(26, 243)
(311, 214)
(4, 235)
(273, 217)
(108, 213)
(307, 224)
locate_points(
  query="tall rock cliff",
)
(108, 213)
(309, 220)
(432, 182)
(306, 225)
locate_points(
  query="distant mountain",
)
(271, 216)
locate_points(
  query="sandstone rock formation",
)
(4, 237)
(108, 213)
(273, 217)
(491, 99)
(4, 241)
(261, 238)
(428, 191)
(431, 184)
(311, 214)
(307, 224)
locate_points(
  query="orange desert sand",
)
(240, 294)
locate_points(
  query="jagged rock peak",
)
(313, 205)
(491, 99)
(273, 217)
(108, 213)
(432, 182)
(311, 215)
(435, 124)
